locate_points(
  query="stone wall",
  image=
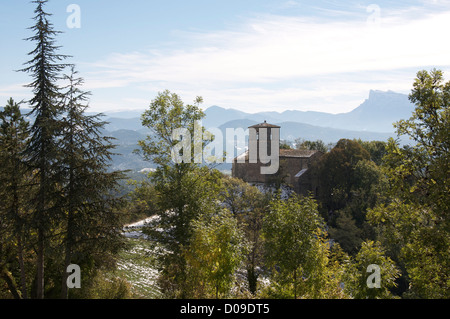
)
(290, 166)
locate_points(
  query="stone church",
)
(294, 165)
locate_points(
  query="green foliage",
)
(297, 251)
(101, 285)
(285, 145)
(249, 206)
(88, 199)
(14, 214)
(335, 171)
(385, 204)
(44, 152)
(376, 149)
(183, 198)
(411, 235)
(214, 254)
(142, 201)
(415, 224)
(350, 226)
(60, 197)
(13, 141)
(349, 184)
(346, 233)
(167, 113)
(318, 145)
(425, 165)
(356, 277)
(184, 190)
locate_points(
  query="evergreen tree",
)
(13, 138)
(88, 199)
(43, 152)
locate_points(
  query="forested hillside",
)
(74, 227)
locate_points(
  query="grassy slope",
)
(137, 265)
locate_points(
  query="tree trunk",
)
(6, 275)
(252, 279)
(68, 257)
(64, 288)
(70, 214)
(40, 265)
(295, 284)
(23, 281)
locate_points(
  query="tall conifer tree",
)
(91, 229)
(43, 152)
(13, 138)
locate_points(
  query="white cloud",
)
(278, 61)
(16, 91)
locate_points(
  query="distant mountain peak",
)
(387, 97)
(377, 113)
(379, 92)
(386, 100)
(214, 108)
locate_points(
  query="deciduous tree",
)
(296, 250)
(216, 250)
(415, 224)
(365, 269)
(185, 190)
(249, 205)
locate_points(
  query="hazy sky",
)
(252, 55)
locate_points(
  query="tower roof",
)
(265, 124)
(297, 153)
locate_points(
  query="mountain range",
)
(372, 120)
(375, 114)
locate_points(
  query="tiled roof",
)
(265, 124)
(285, 153)
(296, 153)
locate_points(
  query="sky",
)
(250, 55)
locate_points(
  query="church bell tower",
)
(264, 145)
